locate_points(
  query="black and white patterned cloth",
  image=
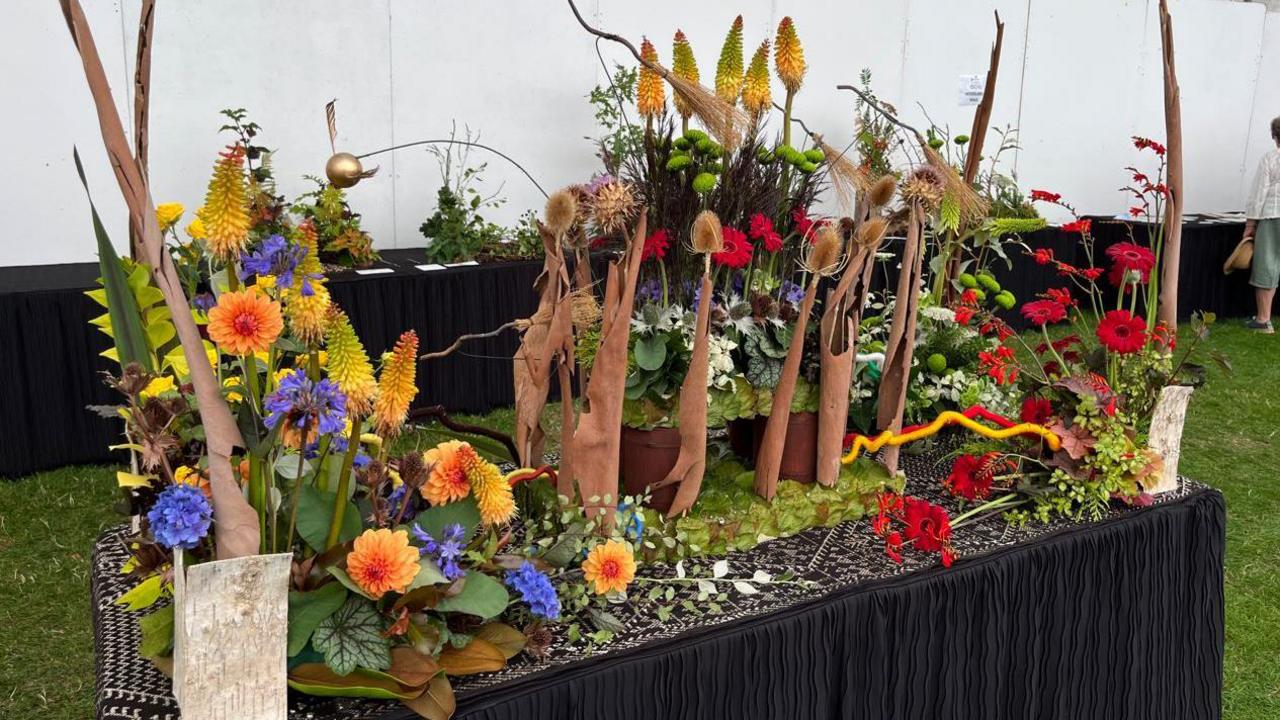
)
(827, 559)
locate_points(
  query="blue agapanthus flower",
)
(276, 256)
(339, 446)
(181, 517)
(536, 590)
(649, 291)
(306, 404)
(632, 520)
(204, 301)
(792, 292)
(446, 551)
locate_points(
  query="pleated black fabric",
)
(49, 354)
(1122, 620)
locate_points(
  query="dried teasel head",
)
(924, 185)
(823, 258)
(881, 193)
(614, 206)
(561, 211)
(413, 470)
(871, 233)
(708, 235)
(585, 309)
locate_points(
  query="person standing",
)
(1262, 225)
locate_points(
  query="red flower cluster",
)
(1044, 312)
(805, 225)
(1128, 256)
(971, 475)
(999, 365)
(1082, 226)
(1045, 196)
(761, 230)
(736, 252)
(1062, 296)
(1036, 410)
(964, 314)
(924, 525)
(999, 328)
(1120, 332)
(1043, 256)
(1162, 335)
(655, 246)
(1142, 143)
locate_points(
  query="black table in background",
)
(51, 368)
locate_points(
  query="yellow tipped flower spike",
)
(862, 443)
(493, 494)
(395, 386)
(349, 365)
(651, 94)
(308, 315)
(684, 65)
(755, 90)
(729, 69)
(788, 56)
(226, 206)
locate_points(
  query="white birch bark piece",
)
(1166, 433)
(230, 638)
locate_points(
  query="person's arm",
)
(1250, 227)
(1258, 194)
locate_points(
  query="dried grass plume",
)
(561, 211)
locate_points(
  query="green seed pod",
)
(982, 296)
(1006, 300)
(681, 143)
(815, 155)
(764, 156)
(937, 363)
(704, 183)
(960, 139)
(967, 280)
(988, 282)
(693, 135)
(788, 154)
(806, 167)
(679, 162)
(936, 143)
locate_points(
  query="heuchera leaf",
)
(352, 637)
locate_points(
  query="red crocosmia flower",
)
(1067, 270)
(761, 230)
(805, 225)
(1036, 410)
(1120, 332)
(1141, 178)
(1142, 143)
(736, 252)
(893, 546)
(970, 478)
(1091, 274)
(1043, 256)
(1081, 226)
(880, 524)
(655, 246)
(969, 297)
(1045, 196)
(1162, 335)
(1062, 296)
(1160, 189)
(927, 525)
(948, 556)
(1137, 211)
(1044, 312)
(964, 314)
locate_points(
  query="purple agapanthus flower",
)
(204, 301)
(792, 292)
(446, 551)
(181, 517)
(339, 445)
(276, 256)
(307, 404)
(536, 590)
(649, 291)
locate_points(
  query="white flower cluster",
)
(720, 363)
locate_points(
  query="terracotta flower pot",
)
(799, 450)
(742, 437)
(647, 457)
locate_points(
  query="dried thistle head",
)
(924, 185)
(561, 211)
(614, 206)
(413, 470)
(708, 235)
(881, 193)
(584, 308)
(823, 258)
(872, 232)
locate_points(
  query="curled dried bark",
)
(902, 336)
(691, 463)
(1172, 253)
(769, 457)
(533, 360)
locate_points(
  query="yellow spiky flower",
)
(226, 206)
(395, 386)
(683, 65)
(651, 95)
(493, 494)
(755, 89)
(788, 56)
(729, 69)
(308, 314)
(349, 364)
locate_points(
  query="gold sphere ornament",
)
(344, 170)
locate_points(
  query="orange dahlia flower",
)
(448, 479)
(610, 566)
(245, 322)
(383, 560)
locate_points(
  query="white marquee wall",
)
(1078, 78)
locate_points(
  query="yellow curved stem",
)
(862, 443)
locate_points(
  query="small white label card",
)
(429, 267)
(375, 271)
(971, 87)
(462, 264)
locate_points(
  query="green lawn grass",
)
(48, 523)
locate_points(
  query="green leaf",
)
(352, 637)
(143, 595)
(504, 637)
(428, 574)
(315, 508)
(157, 633)
(306, 610)
(434, 520)
(127, 328)
(651, 352)
(341, 576)
(481, 596)
(318, 679)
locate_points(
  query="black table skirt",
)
(49, 354)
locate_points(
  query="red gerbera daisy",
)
(927, 525)
(736, 252)
(969, 478)
(1036, 410)
(1128, 256)
(1044, 312)
(1119, 331)
(761, 230)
